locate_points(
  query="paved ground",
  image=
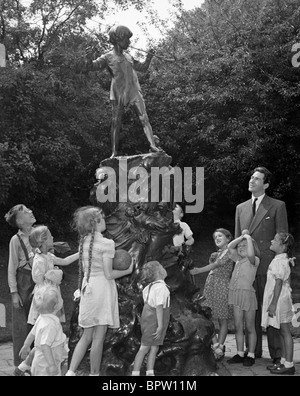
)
(225, 369)
(259, 368)
(6, 360)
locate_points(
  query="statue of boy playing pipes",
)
(125, 88)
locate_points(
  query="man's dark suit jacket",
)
(270, 218)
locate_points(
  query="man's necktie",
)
(254, 207)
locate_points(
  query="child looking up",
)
(98, 308)
(155, 316)
(243, 250)
(43, 270)
(277, 308)
(19, 276)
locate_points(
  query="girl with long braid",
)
(98, 308)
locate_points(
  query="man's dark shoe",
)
(274, 366)
(258, 356)
(283, 370)
(236, 359)
(248, 361)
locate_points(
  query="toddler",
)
(47, 334)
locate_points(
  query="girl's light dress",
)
(279, 268)
(99, 302)
(42, 263)
(48, 331)
(241, 291)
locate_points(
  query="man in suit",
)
(263, 217)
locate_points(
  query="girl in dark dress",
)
(217, 287)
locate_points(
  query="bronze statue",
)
(144, 227)
(125, 88)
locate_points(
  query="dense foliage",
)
(228, 101)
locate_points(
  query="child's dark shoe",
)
(236, 359)
(248, 361)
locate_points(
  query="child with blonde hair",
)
(98, 307)
(155, 316)
(43, 268)
(277, 308)
(50, 343)
(244, 251)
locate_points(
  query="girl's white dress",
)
(42, 263)
(279, 268)
(99, 303)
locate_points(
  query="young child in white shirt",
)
(50, 342)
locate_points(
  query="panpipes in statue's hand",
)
(2, 55)
(157, 56)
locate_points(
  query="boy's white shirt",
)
(158, 295)
(178, 240)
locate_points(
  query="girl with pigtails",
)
(98, 308)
